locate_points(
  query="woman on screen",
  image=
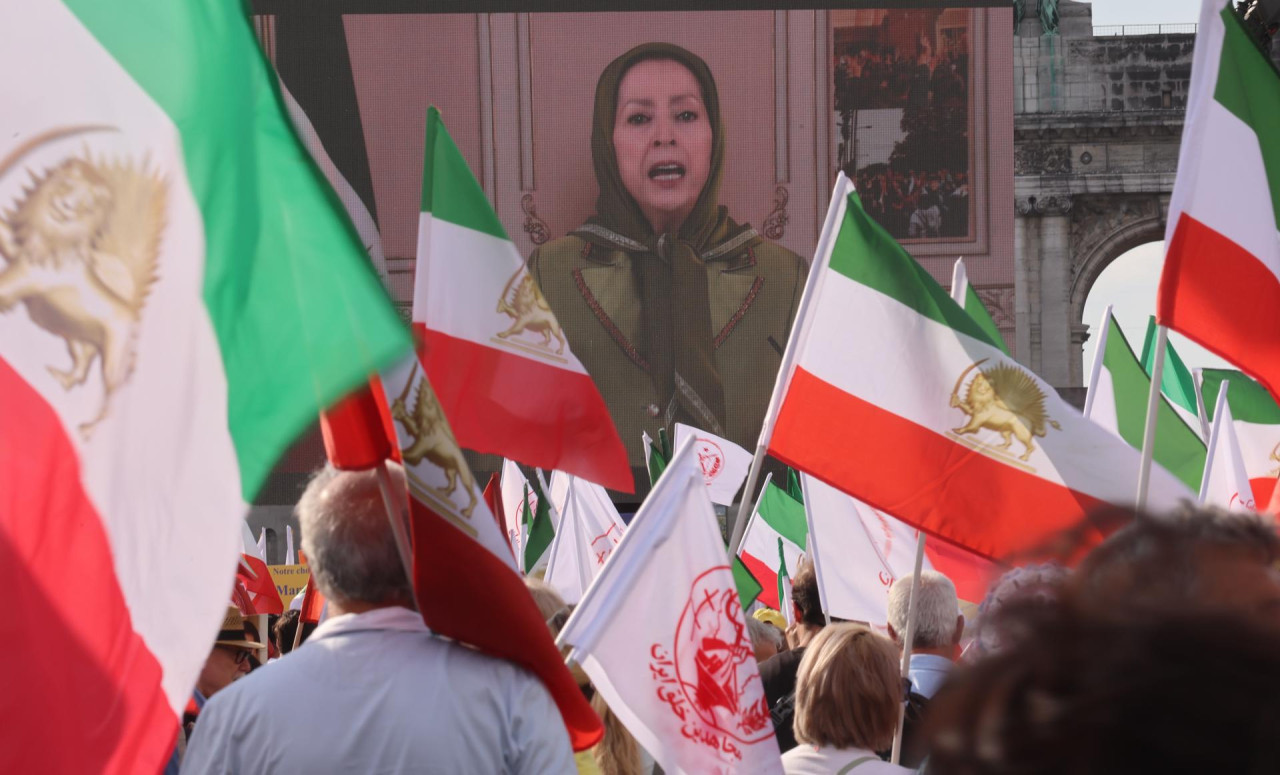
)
(678, 312)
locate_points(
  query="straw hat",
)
(232, 632)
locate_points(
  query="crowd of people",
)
(869, 76)
(915, 204)
(1160, 652)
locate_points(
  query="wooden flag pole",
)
(907, 641)
(1149, 429)
(399, 527)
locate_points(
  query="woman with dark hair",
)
(678, 312)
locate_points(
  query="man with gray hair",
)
(373, 690)
(939, 626)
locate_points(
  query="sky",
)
(1129, 283)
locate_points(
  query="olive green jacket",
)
(595, 296)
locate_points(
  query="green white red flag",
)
(1221, 280)
(154, 368)
(494, 352)
(924, 417)
(1255, 423)
(778, 520)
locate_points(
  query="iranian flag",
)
(1119, 388)
(1255, 422)
(206, 300)
(494, 352)
(928, 419)
(1221, 280)
(778, 520)
(1226, 483)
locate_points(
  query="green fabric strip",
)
(539, 531)
(1176, 381)
(1249, 87)
(865, 253)
(1177, 447)
(748, 588)
(782, 513)
(450, 191)
(298, 312)
(1250, 402)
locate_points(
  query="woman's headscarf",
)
(673, 278)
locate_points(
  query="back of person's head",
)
(348, 540)
(766, 639)
(285, 630)
(1083, 691)
(1038, 583)
(1196, 557)
(804, 593)
(545, 597)
(848, 689)
(937, 610)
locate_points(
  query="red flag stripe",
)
(920, 476)
(488, 394)
(81, 691)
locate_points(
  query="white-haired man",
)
(372, 690)
(939, 626)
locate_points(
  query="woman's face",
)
(662, 139)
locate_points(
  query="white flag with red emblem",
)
(662, 635)
(724, 464)
(588, 530)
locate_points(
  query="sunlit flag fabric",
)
(1226, 482)
(467, 583)
(967, 297)
(264, 598)
(1220, 285)
(1119, 388)
(207, 302)
(494, 351)
(588, 530)
(662, 635)
(779, 517)
(1256, 421)
(1176, 382)
(922, 416)
(724, 464)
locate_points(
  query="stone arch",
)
(1104, 228)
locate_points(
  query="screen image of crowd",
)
(907, 78)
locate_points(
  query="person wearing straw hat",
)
(229, 658)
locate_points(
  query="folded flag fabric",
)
(205, 301)
(964, 294)
(662, 635)
(777, 518)
(1226, 483)
(928, 419)
(655, 461)
(264, 598)
(494, 351)
(589, 529)
(724, 464)
(1176, 380)
(1256, 424)
(1117, 400)
(1220, 285)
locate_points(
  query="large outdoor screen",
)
(667, 172)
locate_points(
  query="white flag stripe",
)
(1226, 483)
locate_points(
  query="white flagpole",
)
(1099, 355)
(1197, 379)
(1213, 441)
(1149, 432)
(959, 282)
(811, 547)
(822, 258)
(399, 529)
(755, 510)
(907, 641)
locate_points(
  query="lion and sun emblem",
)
(522, 301)
(79, 249)
(1006, 400)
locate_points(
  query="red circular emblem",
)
(715, 663)
(710, 458)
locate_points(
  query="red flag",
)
(252, 573)
(468, 586)
(348, 441)
(313, 601)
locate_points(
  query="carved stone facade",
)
(1097, 127)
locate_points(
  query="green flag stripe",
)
(1177, 447)
(1250, 402)
(461, 200)
(782, 513)
(298, 312)
(748, 587)
(894, 273)
(1249, 87)
(1176, 381)
(541, 531)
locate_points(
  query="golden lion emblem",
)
(1004, 399)
(529, 311)
(433, 440)
(1275, 458)
(80, 249)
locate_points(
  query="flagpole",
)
(907, 641)
(811, 546)
(398, 528)
(1149, 429)
(1213, 441)
(822, 257)
(1197, 381)
(1099, 355)
(755, 509)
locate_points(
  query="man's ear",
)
(893, 634)
(959, 629)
